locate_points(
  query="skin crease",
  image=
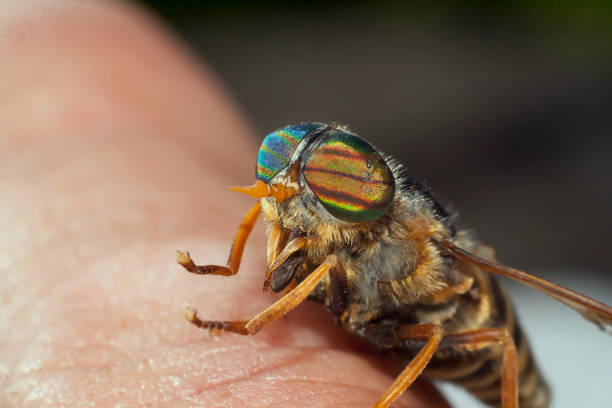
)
(116, 150)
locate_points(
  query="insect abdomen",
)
(479, 370)
(485, 382)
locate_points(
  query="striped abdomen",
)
(478, 369)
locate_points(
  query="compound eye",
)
(277, 149)
(350, 178)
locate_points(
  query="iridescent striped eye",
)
(278, 147)
(350, 178)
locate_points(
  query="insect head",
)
(348, 177)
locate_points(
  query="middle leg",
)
(481, 381)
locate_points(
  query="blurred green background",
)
(504, 108)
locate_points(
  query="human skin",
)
(116, 150)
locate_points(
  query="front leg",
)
(233, 262)
(281, 307)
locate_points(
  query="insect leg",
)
(233, 262)
(281, 307)
(509, 374)
(434, 335)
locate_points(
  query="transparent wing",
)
(589, 308)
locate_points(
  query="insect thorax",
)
(389, 264)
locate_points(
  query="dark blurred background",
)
(503, 108)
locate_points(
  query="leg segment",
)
(433, 334)
(281, 307)
(233, 263)
(509, 375)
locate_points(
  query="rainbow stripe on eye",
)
(350, 179)
(278, 147)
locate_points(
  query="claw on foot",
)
(191, 314)
(183, 258)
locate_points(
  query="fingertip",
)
(109, 70)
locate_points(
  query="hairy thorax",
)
(386, 267)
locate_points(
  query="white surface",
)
(573, 354)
